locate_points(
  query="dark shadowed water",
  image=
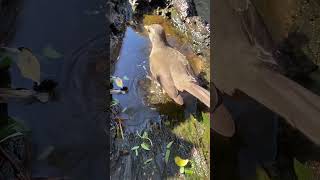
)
(67, 133)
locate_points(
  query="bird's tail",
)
(299, 106)
(200, 93)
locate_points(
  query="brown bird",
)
(238, 66)
(171, 68)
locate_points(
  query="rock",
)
(185, 7)
(283, 18)
(118, 16)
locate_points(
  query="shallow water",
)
(133, 63)
(70, 128)
(145, 103)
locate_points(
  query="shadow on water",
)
(70, 129)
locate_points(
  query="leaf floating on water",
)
(29, 65)
(147, 161)
(124, 109)
(169, 144)
(51, 53)
(44, 155)
(118, 82)
(125, 78)
(181, 162)
(302, 171)
(145, 146)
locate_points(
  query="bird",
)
(237, 67)
(171, 70)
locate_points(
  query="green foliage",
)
(302, 172)
(261, 174)
(11, 129)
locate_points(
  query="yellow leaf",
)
(119, 82)
(181, 162)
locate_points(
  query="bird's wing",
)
(167, 84)
(180, 69)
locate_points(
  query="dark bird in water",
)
(172, 70)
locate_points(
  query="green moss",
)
(197, 133)
(168, 27)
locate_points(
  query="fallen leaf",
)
(181, 170)
(181, 162)
(29, 65)
(261, 174)
(135, 147)
(118, 82)
(166, 157)
(44, 155)
(147, 161)
(169, 144)
(51, 53)
(145, 146)
(302, 171)
(188, 171)
(125, 78)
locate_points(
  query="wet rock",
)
(186, 8)
(120, 13)
(183, 15)
(283, 18)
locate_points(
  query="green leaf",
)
(166, 157)
(114, 102)
(302, 171)
(147, 161)
(145, 134)
(12, 129)
(261, 174)
(169, 144)
(5, 62)
(181, 170)
(135, 147)
(145, 146)
(51, 53)
(188, 171)
(136, 151)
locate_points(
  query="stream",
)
(68, 138)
